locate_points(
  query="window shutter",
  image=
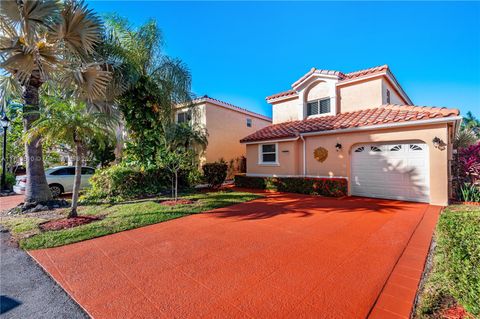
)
(325, 106)
(312, 108)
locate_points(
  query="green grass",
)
(120, 217)
(23, 224)
(455, 275)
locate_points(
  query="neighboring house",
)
(360, 126)
(225, 123)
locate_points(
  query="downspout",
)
(304, 157)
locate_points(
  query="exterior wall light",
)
(436, 141)
(338, 147)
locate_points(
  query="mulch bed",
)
(456, 312)
(66, 223)
(177, 202)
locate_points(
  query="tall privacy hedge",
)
(331, 187)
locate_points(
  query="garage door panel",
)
(397, 171)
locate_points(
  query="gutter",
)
(455, 119)
(304, 155)
(386, 126)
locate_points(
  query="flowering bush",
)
(467, 173)
(469, 163)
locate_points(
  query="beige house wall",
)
(360, 95)
(288, 159)
(395, 98)
(317, 91)
(226, 127)
(285, 111)
(338, 163)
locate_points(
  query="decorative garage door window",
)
(415, 147)
(395, 171)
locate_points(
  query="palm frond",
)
(465, 137)
(90, 81)
(79, 28)
(9, 88)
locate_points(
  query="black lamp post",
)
(4, 121)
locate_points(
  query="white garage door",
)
(395, 171)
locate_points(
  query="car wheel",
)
(56, 190)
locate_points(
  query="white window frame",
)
(260, 155)
(318, 101)
(186, 112)
(249, 120)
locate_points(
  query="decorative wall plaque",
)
(320, 154)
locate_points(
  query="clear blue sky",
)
(241, 52)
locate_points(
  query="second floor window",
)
(249, 122)
(318, 107)
(184, 117)
(388, 96)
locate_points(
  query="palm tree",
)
(65, 121)
(48, 40)
(153, 83)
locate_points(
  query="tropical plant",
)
(470, 192)
(469, 132)
(68, 122)
(48, 41)
(179, 150)
(154, 85)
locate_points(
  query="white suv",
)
(60, 179)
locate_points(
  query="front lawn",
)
(117, 217)
(454, 280)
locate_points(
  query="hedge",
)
(215, 173)
(331, 187)
(120, 182)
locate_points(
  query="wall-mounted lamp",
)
(437, 141)
(338, 147)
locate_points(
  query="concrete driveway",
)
(283, 256)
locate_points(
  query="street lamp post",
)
(4, 121)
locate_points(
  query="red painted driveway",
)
(283, 256)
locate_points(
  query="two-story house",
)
(362, 127)
(225, 124)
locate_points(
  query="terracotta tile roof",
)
(341, 76)
(374, 116)
(370, 71)
(281, 94)
(206, 98)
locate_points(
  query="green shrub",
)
(118, 182)
(458, 256)
(470, 193)
(215, 173)
(331, 187)
(9, 179)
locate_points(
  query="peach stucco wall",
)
(285, 111)
(317, 91)
(338, 163)
(395, 98)
(360, 95)
(226, 127)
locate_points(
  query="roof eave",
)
(447, 119)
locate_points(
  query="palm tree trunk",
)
(37, 188)
(78, 179)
